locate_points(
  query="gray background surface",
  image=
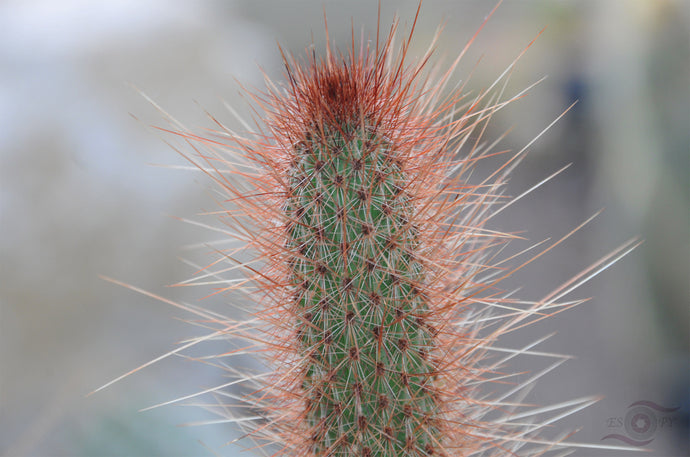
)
(79, 197)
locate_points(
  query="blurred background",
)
(82, 195)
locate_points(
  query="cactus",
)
(374, 269)
(362, 233)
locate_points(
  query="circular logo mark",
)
(640, 423)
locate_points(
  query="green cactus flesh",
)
(358, 291)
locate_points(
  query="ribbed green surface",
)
(367, 375)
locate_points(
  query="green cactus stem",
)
(359, 291)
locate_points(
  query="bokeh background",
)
(82, 195)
